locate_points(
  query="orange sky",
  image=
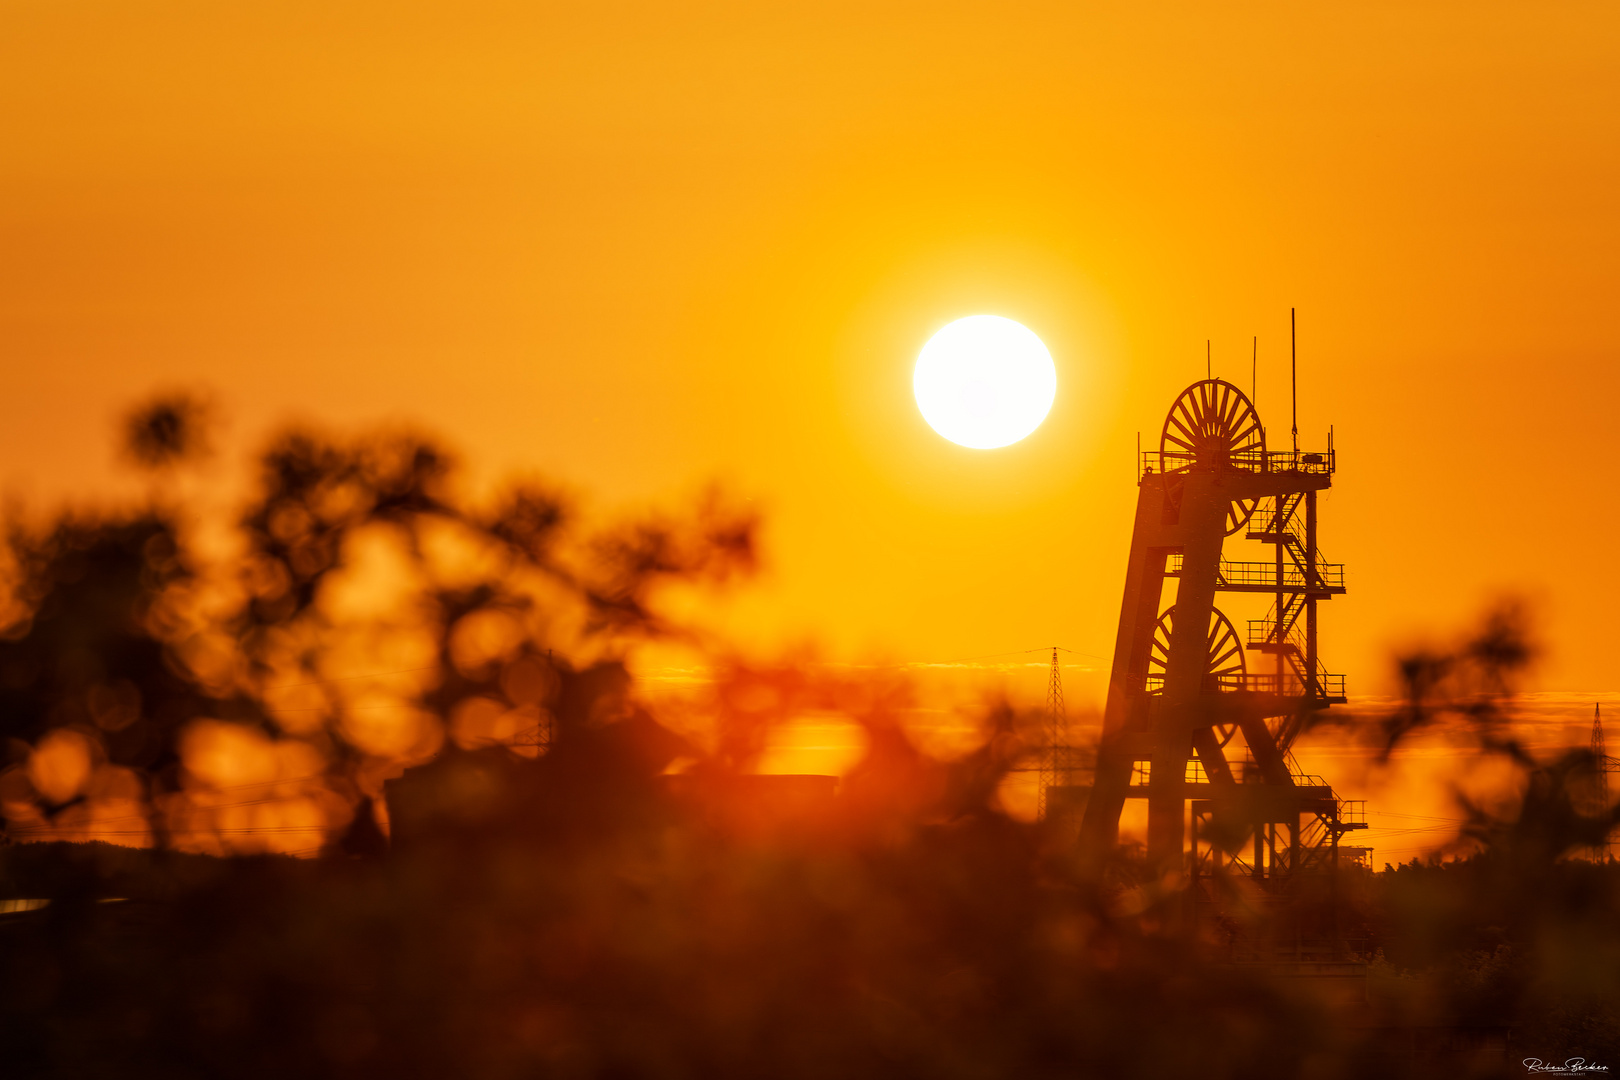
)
(642, 246)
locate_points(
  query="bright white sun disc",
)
(984, 382)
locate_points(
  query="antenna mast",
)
(1293, 374)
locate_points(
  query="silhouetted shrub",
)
(557, 898)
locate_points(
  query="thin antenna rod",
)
(1207, 369)
(1254, 373)
(1293, 373)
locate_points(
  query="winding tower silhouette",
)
(1187, 720)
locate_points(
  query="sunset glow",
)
(842, 539)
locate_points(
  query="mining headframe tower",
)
(1190, 725)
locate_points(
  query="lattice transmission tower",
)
(1600, 797)
(1057, 724)
(1060, 762)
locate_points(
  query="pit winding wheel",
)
(1211, 423)
(1225, 657)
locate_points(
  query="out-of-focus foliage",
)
(584, 913)
(579, 883)
(254, 694)
(1520, 935)
(1470, 686)
(167, 431)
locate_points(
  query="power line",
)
(1014, 652)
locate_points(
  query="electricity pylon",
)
(1054, 754)
(1604, 765)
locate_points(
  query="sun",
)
(984, 381)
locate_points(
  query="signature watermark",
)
(1571, 1067)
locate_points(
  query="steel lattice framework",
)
(1060, 763)
(1604, 765)
(1199, 719)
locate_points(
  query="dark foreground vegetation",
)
(580, 884)
(639, 937)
